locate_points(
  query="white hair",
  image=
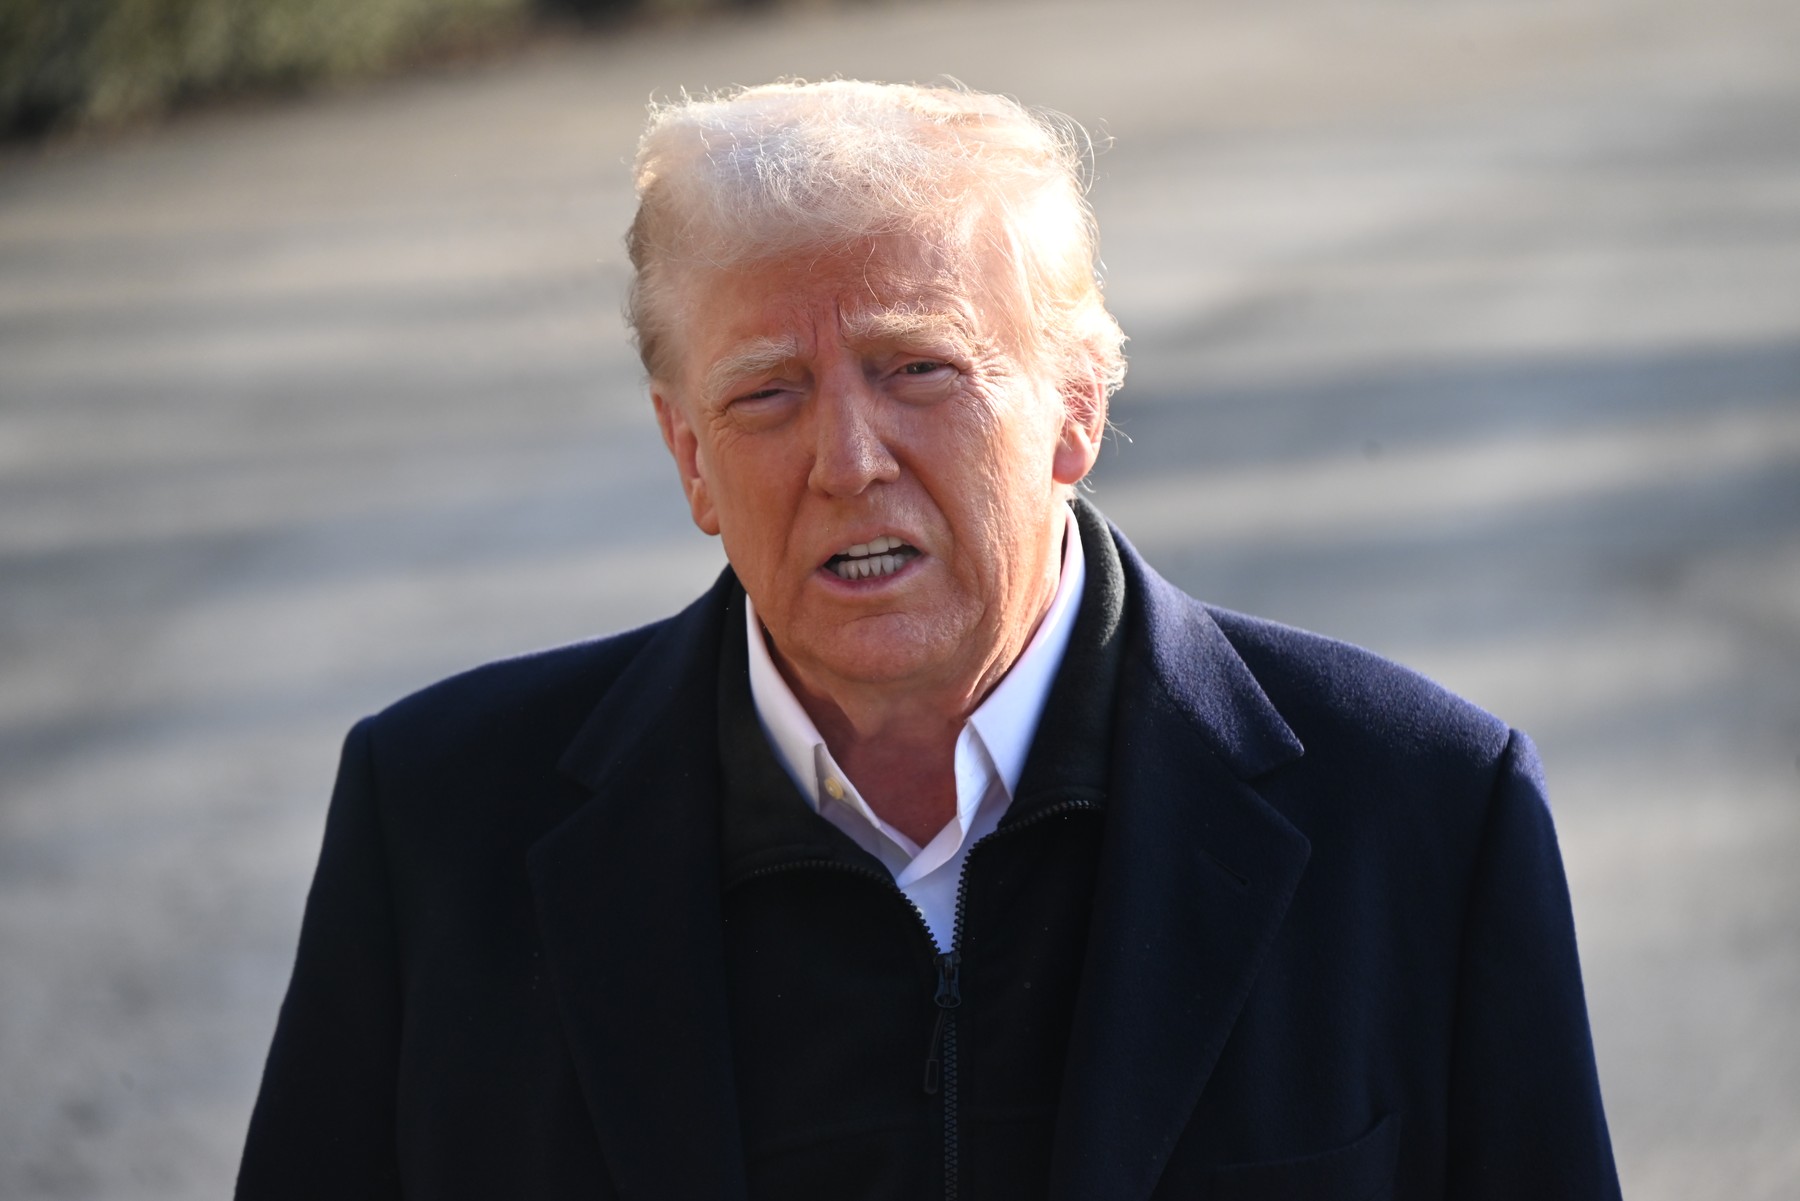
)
(792, 168)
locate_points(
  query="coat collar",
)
(767, 822)
(1195, 877)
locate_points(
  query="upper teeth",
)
(877, 546)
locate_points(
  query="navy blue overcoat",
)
(1331, 956)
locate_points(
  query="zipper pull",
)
(949, 986)
(947, 997)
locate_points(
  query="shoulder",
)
(1399, 779)
(479, 764)
(549, 694)
(1331, 692)
(485, 744)
(1270, 693)
(536, 687)
(505, 728)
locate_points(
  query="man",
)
(942, 848)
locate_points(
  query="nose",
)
(850, 452)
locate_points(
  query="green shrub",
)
(100, 62)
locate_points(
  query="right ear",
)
(684, 445)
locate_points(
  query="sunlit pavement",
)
(1466, 331)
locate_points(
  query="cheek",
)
(1012, 453)
(755, 517)
(970, 440)
(730, 471)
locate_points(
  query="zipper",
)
(940, 1059)
(947, 1016)
(940, 1062)
(947, 997)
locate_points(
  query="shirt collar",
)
(1001, 726)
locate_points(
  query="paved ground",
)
(1468, 331)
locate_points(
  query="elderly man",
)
(942, 849)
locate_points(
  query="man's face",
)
(884, 468)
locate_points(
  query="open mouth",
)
(871, 560)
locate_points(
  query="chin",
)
(886, 656)
(890, 666)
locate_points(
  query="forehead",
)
(873, 293)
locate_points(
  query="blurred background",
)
(1465, 330)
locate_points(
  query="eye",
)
(765, 390)
(760, 407)
(923, 367)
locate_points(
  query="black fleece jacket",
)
(871, 1062)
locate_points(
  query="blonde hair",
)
(792, 167)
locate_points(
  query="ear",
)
(1084, 425)
(684, 446)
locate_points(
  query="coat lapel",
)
(627, 895)
(1195, 878)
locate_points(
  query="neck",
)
(902, 757)
(899, 744)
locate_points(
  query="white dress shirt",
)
(990, 754)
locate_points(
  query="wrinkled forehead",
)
(877, 291)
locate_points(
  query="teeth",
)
(877, 546)
(872, 566)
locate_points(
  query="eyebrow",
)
(755, 357)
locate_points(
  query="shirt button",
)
(833, 789)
